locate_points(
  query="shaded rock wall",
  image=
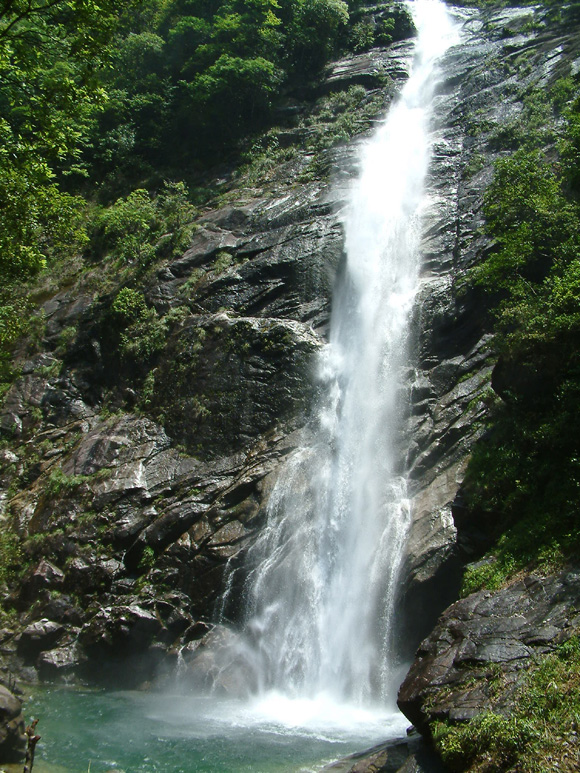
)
(502, 57)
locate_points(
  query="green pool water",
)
(136, 732)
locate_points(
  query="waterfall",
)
(321, 594)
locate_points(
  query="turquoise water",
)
(92, 731)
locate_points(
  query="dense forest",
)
(117, 118)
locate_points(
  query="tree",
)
(51, 53)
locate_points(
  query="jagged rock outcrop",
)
(475, 657)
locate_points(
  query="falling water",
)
(321, 596)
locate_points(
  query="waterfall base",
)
(146, 732)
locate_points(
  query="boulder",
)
(12, 738)
(60, 663)
(38, 637)
(488, 634)
(411, 755)
(118, 631)
(119, 646)
(218, 661)
(86, 576)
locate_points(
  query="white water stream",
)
(321, 597)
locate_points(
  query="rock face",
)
(140, 478)
(480, 646)
(479, 96)
(12, 738)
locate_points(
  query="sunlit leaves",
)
(527, 467)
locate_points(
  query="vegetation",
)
(106, 108)
(527, 469)
(540, 734)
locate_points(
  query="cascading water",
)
(322, 592)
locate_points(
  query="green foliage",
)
(140, 227)
(490, 737)
(141, 332)
(50, 54)
(191, 79)
(490, 574)
(38, 222)
(14, 321)
(526, 471)
(146, 336)
(147, 560)
(147, 391)
(314, 29)
(129, 306)
(95, 96)
(362, 36)
(10, 553)
(59, 483)
(131, 226)
(540, 734)
(246, 85)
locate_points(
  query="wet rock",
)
(60, 663)
(386, 758)
(218, 661)
(16, 416)
(88, 576)
(488, 634)
(118, 630)
(370, 69)
(119, 646)
(39, 636)
(12, 738)
(169, 610)
(45, 576)
(62, 609)
(410, 755)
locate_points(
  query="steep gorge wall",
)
(131, 495)
(131, 482)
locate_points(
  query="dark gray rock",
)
(12, 738)
(483, 635)
(410, 755)
(119, 630)
(45, 575)
(61, 663)
(386, 758)
(38, 637)
(87, 576)
(371, 69)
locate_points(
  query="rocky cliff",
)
(132, 475)
(133, 472)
